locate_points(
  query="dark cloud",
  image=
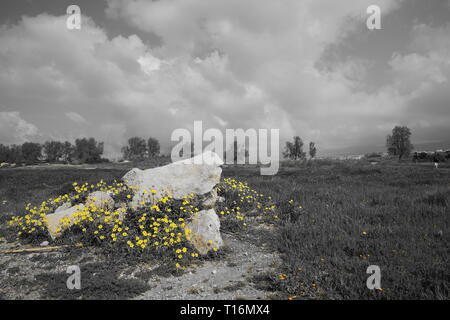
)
(307, 68)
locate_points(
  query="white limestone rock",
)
(198, 175)
(59, 221)
(205, 227)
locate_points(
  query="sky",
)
(145, 68)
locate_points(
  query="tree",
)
(153, 147)
(11, 154)
(88, 150)
(31, 152)
(15, 154)
(135, 150)
(67, 152)
(312, 149)
(398, 143)
(4, 153)
(53, 150)
(294, 150)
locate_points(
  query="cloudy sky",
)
(310, 68)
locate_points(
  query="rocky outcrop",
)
(198, 176)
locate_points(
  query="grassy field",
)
(352, 215)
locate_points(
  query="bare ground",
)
(226, 279)
(231, 276)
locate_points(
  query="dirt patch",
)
(228, 278)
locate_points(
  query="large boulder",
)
(198, 176)
(62, 219)
(205, 227)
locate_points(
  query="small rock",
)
(44, 244)
(206, 231)
(214, 271)
(61, 220)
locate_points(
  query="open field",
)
(352, 215)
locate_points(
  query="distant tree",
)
(88, 150)
(31, 152)
(11, 154)
(53, 150)
(135, 150)
(16, 153)
(294, 150)
(312, 149)
(4, 153)
(67, 152)
(398, 143)
(153, 147)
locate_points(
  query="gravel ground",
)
(227, 279)
(43, 275)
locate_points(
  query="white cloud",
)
(75, 117)
(14, 129)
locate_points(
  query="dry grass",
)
(354, 215)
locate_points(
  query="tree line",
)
(84, 150)
(88, 150)
(294, 150)
(140, 149)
